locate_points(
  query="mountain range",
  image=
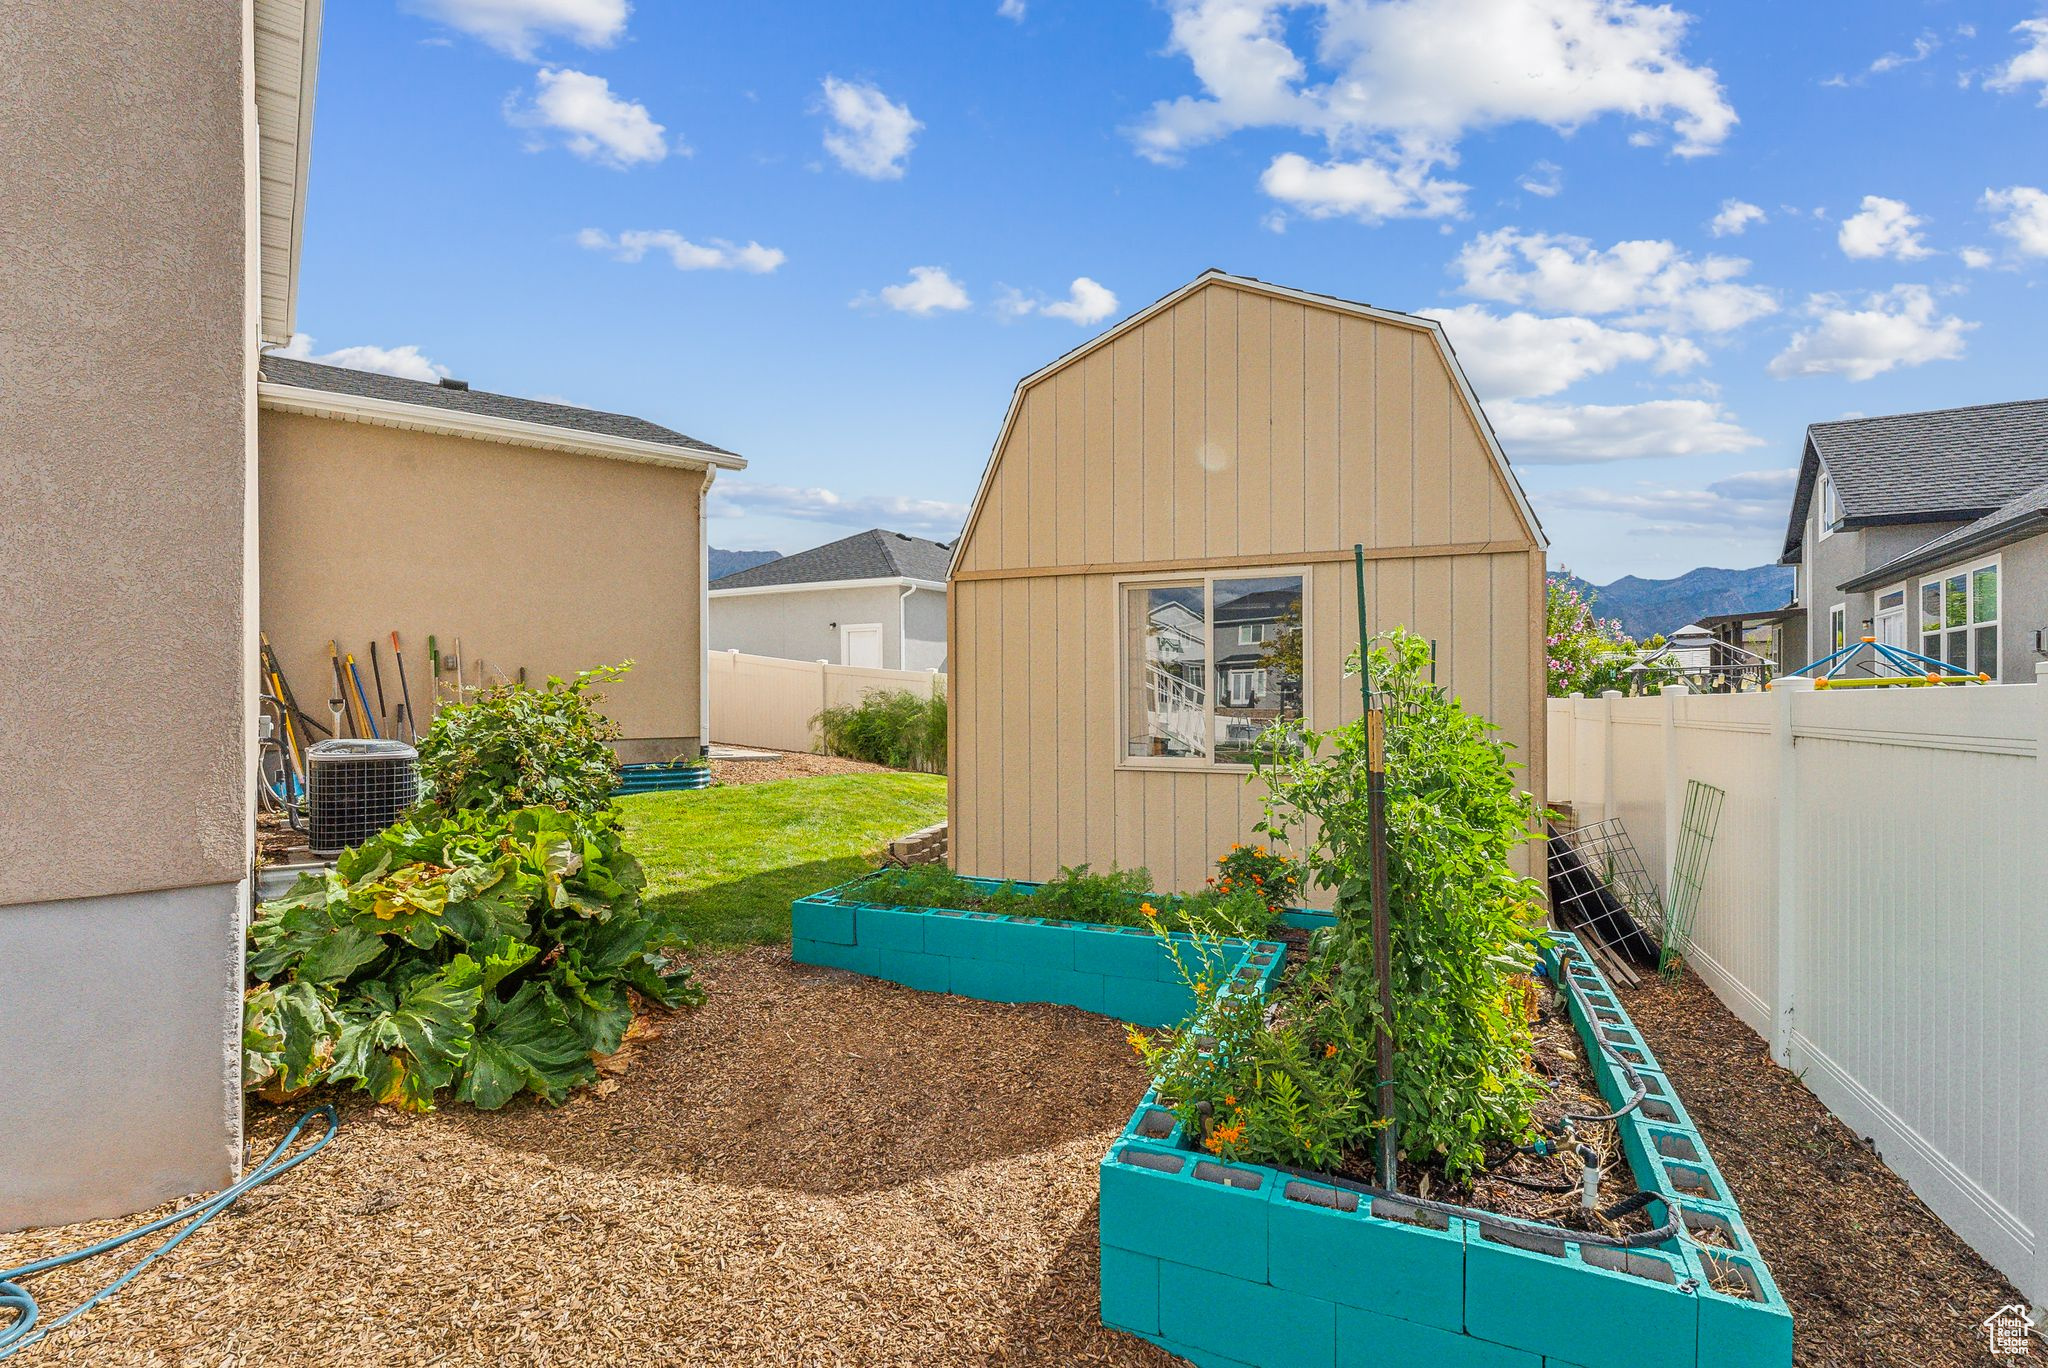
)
(1647, 607)
(731, 562)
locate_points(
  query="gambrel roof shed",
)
(1230, 442)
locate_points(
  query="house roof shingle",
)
(312, 375)
(2026, 516)
(874, 554)
(1937, 466)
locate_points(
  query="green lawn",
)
(730, 860)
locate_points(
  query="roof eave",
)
(1928, 557)
(277, 328)
(802, 586)
(483, 427)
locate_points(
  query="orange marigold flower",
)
(1329, 1050)
(1230, 1099)
(1214, 1144)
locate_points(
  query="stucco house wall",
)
(803, 624)
(127, 471)
(1842, 556)
(550, 560)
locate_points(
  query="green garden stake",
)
(1382, 923)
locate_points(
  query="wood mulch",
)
(788, 765)
(1874, 1279)
(812, 1169)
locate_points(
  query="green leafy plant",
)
(491, 953)
(514, 746)
(1119, 897)
(1583, 652)
(1272, 875)
(892, 727)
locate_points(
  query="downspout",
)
(704, 612)
(903, 625)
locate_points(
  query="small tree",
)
(1583, 653)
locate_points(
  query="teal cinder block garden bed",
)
(1235, 1265)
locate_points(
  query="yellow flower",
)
(1148, 909)
(1138, 1042)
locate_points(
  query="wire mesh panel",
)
(356, 788)
(1696, 827)
(1614, 890)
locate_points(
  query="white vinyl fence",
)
(767, 702)
(1876, 906)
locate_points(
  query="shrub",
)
(892, 727)
(487, 952)
(515, 747)
(1276, 878)
(1582, 653)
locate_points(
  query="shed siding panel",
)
(1230, 425)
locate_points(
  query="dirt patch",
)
(1874, 1279)
(788, 765)
(813, 1169)
(276, 842)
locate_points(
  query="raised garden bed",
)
(1124, 972)
(684, 774)
(1228, 1263)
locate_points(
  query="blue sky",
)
(831, 237)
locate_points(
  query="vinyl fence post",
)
(1674, 783)
(1791, 916)
(1608, 698)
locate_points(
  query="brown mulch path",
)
(1874, 1279)
(812, 1169)
(788, 765)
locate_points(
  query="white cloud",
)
(516, 27)
(1883, 228)
(1363, 189)
(1576, 434)
(1895, 327)
(590, 121)
(406, 362)
(1753, 501)
(1545, 178)
(1088, 301)
(2030, 65)
(1647, 282)
(1976, 258)
(1012, 10)
(929, 290)
(731, 498)
(1397, 84)
(1923, 48)
(871, 134)
(714, 255)
(1735, 217)
(1523, 356)
(2026, 217)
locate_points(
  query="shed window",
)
(1210, 667)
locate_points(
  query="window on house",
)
(1959, 618)
(1210, 666)
(1830, 504)
(1838, 627)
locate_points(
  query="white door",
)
(1890, 624)
(860, 643)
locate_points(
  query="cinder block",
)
(1154, 1123)
(889, 929)
(1152, 1203)
(1147, 1002)
(995, 980)
(1114, 952)
(957, 935)
(1752, 1329)
(1041, 944)
(1602, 1308)
(926, 973)
(1717, 1224)
(1246, 1320)
(1326, 1242)
(1368, 1340)
(1201, 1358)
(1071, 989)
(815, 919)
(829, 955)
(1130, 1291)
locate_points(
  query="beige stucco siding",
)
(1233, 429)
(126, 451)
(547, 560)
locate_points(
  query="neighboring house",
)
(1927, 531)
(155, 172)
(533, 536)
(876, 599)
(1158, 568)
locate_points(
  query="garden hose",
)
(1639, 1089)
(15, 1298)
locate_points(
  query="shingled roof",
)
(874, 554)
(1939, 466)
(311, 375)
(2026, 516)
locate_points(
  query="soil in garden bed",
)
(1874, 1279)
(1542, 1187)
